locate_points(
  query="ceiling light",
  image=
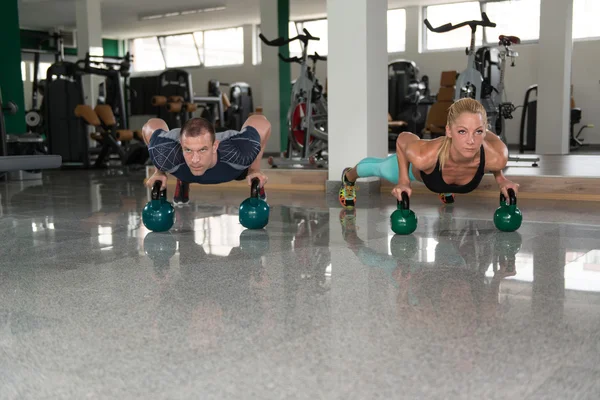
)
(171, 14)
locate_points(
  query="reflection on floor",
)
(324, 303)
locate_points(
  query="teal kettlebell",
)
(254, 212)
(158, 214)
(508, 217)
(404, 220)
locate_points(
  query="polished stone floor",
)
(322, 304)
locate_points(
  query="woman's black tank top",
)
(435, 182)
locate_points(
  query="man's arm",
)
(240, 150)
(151, 126)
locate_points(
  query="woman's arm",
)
(496, 160)
(405, 152)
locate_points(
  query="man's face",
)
(199, 152)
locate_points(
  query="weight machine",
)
(20, 162)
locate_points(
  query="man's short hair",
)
(198, 126)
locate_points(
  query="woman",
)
(454, 163)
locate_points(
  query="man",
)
(196, 153)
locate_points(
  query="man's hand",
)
(505, 184)
(257, 174)
(157, 176)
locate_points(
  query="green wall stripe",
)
(11, 82)
(111, 47)
(285, 74)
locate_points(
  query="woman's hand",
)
(505, 184)
(399, 188)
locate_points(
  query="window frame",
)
(424, 30)
(201, 55)
(405, 24)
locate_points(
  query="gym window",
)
(396, 30)
(209, 48)
(513, 18)
(452, 13)
(224, 47)
(147, 55)
(318, 28)
(42, 70)
(256, 46)
(585, 16)
(180, 50)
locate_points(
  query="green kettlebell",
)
(158, 214)
(404, 220)
(254, 212)
(508, 217)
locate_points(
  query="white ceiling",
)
(120, 18)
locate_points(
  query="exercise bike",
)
(470, 82)
(307, 115)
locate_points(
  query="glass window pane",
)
(396, 30)
(224, 47)
(180, 50)
(514, 18)
(452, 13)
(147, 55)
(295, 47)
(318, 29)
(43, 70)
(585, 18)
(199, 38)
(257, 49)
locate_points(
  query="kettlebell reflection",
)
(207, 293)
(448, 280)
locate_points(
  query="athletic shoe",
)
(447, 198)
(182, 193)
(347, 193)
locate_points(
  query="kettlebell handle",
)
(156, 190)
(254, 188)
(511, 195)
(405, 203)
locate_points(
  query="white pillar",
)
(269, 71)
(357, 74)
(248, 44)
(554, 77)
(89, 39)
(414, 29)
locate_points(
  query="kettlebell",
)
(254, 212)
(158, 214)
(508, 217)
(404, 220)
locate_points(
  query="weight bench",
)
(29, 163)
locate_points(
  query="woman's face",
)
(467, 133)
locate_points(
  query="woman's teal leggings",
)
(386, 168)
